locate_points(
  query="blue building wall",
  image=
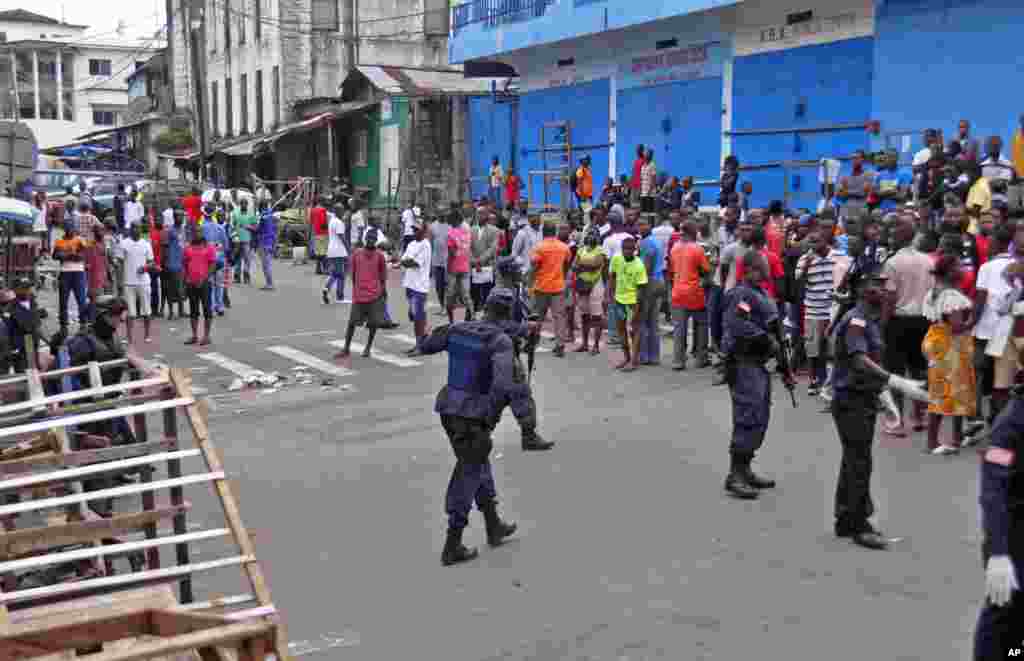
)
(484, 28)
(938, 61)
(813, 86)
(489, 135)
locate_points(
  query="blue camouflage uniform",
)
(747, 315)
(1001, 628)
(482, 381)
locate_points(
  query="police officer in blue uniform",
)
(524, 340)
(482, 381)
(857, 382)
(751, 336)
(1000, 626)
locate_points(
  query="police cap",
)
(110, 304)
(507, 265)
(501, 297)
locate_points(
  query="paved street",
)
(627, 547)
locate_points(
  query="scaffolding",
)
(556, 151)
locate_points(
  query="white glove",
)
(916, 390)
(891, 412)
(1000, 580)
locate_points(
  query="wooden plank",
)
(121, 579)
(93, 469)
(91, 632)
(98, 391)
(95, 375)
(84, 457)
(262, 611)
(169, 623)
(220, 602)
(110, 549)
(80, 419)
(35, 540)
(253, 649)
(183, 384)
(148, 501)
(228, 635)
(116, 492)
(81, 609)
(66, 371)
(35, 391)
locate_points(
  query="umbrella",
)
(17, 211)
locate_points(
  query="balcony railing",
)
(492, 13)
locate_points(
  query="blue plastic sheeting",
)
(939, 61)
(803, 87)
(587, 107)
(490, 135)
(681, 122)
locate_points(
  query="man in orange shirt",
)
(689, 266)
(550, 261)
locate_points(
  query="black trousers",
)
(472, 479)
(854, 415)
(903, 336)
(1001, 628)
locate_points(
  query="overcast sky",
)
(141, 17)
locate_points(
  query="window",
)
(103, 117)
(99, 67)
(229, 115)
(325, 15)
(259, 102)
(243, 103)
(362, 149)
(227, 43)
(275, 96)
(214, 110)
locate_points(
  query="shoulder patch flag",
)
(859, 323)
(1000, 456)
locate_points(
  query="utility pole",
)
(196, 22)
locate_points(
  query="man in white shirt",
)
(999, 171)
(409, 217)
(133, 212)
(337, 258)
(526, 239)
(356, 225)
(994, 349)
(612, 244)
(416, 280)
(168, 214)
(138, 261)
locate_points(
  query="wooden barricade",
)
(72, 512)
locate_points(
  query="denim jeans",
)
(680, 326)
(650, 335)
(440, 274)
(217, 290)
(267, 262)
(72, 282)
(337, 266)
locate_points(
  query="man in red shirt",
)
(198, 260)
(193, 205)
(688, 268)
(774, 284)
(634, 182)
(369, 292)
(156, 231)
(318, 221)
(460, 243)
(512, 188)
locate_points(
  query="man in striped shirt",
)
(816, 269)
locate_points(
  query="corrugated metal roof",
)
(404, 81)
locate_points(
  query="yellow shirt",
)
(980, 195)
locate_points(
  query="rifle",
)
(532, 340)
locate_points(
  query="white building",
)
(59, 83)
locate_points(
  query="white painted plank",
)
(310, 361)
(81, 419)
(109, 549)
(104, 467)
(391, 359)
(230, 364)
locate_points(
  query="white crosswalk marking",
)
(391, 359)
(310, 361)
(230, 364)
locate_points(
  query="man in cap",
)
(857, 381)
(482, 381)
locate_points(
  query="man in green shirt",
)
(627, 279)
(244, 222)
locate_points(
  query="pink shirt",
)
(459, 242)
(198, 261)
(368, 271)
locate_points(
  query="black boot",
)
(454, 552)
(497, 530)
(736, 483)
(755, 480)
(532, 442)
